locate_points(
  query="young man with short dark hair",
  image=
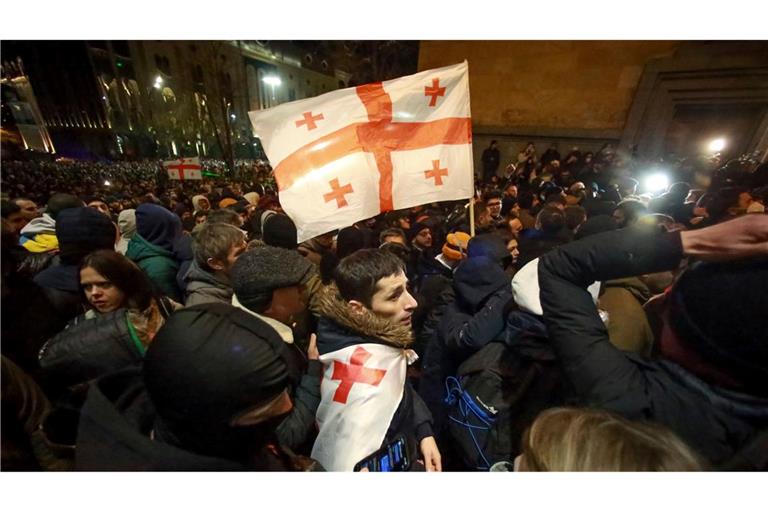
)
(364, 335)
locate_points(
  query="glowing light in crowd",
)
(107, 183)
(717, 145)
(656, 182)
(158, 82)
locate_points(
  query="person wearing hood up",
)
(211, 393)
(152, 247)
(201, 203)
(126, 223)
(475, 317)
(80, 231)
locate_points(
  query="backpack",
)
(495, 396)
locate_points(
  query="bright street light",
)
(717, 145)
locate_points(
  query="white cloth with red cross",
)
(360, 391)
(351, 154)
(184, 169)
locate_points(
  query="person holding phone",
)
(364, 335)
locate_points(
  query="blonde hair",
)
(569, 439)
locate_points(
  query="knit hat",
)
(455, 247)
(349, 240)
(719, 310)
(226, 202)
(259, 271)
(489, 245)
(81, 231)
(279, 231)
(416, 227)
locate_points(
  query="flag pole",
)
(472, 216)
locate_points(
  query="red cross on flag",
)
(184, 169)
(361, 389)
(351, 154)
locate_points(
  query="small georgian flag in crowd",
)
(184, 169)
(351, 154)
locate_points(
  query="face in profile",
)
(392, 299)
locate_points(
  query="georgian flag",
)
(184, 169)
(351, 154)
(360, 391)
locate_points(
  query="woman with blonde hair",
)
(570, 439)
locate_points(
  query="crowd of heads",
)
(180, 278)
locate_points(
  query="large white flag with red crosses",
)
(351, 154)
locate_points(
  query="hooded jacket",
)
(338, 328)
(203, 287)
(715, 421)
(158, 263)
(39, 235)
(475, 317)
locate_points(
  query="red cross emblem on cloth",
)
(379, 136)
(434, 91)
(436, 173)
(354, 373)
(182, 166)
(309, 120)
(338, 192)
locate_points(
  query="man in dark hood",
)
(211, 393)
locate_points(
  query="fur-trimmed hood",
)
(350, 327)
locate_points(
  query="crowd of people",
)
(563, 320)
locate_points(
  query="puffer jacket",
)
(91, 346)
(204, 287)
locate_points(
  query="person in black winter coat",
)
(369, 308)
(267, 284)
(123, 316)
(709, 384)
(212, 391)
(475, 317)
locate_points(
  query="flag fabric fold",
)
(351, 154)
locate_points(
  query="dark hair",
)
(225, 216)
(525, 200)
(492, 194)
(574, 216)
(392, 232)
(124, 274)
(632, 209)
(679, 189)
(9, 208)
(356, 275)
(556, 198)
(59, 202)
(551, 219)
(213, 240)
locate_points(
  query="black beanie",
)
(415, 228)
(488, 245)
(720, 310)
(259, 271)
(349, 240)
(280, 231)
(81, 231)
(211, 362)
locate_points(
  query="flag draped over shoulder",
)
(351, 154)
